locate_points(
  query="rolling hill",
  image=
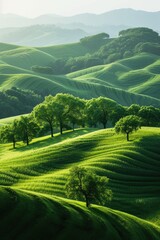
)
(32, 186)
(131, 80)
(33, 200)
(138, 74)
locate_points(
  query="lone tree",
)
(128, 124)
(82, 184)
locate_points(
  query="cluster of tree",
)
(150, 116)
(66, 111)
(23, 129)
(126, 44)
(96, 41)
(63, 66)
(15, 102)
(106, 50)
(136, 117)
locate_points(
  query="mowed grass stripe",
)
(131, 170)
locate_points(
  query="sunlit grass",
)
(38, 174)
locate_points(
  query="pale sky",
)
(33, 8)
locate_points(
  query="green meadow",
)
(127, 81)
(33, 200)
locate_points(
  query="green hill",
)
(55, 218)
(25, 57)
(85, 89)
(131, 80)
(7, 47)
(32, 186)
(138, 74)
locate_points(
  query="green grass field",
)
(32, 186)
(33, 203)
(128, 81)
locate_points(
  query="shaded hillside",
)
(15, 102)
(54, 218)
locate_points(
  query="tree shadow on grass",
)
(62, 156)
(56, 139)
(150, 143)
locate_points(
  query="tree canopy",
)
(10, 133)
(64, 111)
(128, 124)
(99, 110)
(84, 185)
(27, 128)
(44, 113)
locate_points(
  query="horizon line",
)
(82, 13)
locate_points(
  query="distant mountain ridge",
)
(130, 17)
(51, 29)
(40, 35)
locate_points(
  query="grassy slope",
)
(26, 57)
(122, 81)
(66, 50)
(46, 217)
(56, 84)
(7, 47)
(5, 121)
(139, 74)
(133, 169)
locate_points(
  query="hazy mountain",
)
(118, 17)
(91, 30)
(71, 29)
(12, 20)
(40, 35)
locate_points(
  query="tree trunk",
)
(27, 140)
(127, 136)
(61, 129)
(87, 201)
(51, 129)
(14, 144)
(104, 125)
